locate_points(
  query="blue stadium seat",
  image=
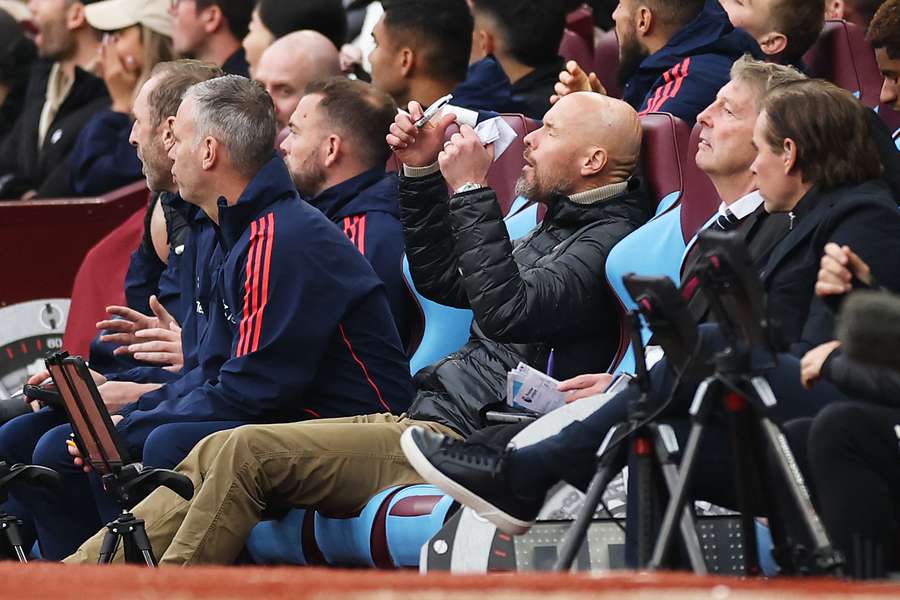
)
(388, 533)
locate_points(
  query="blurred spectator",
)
(137, 37)
(859, 12)
(273, 19)
(62, 95)
(784, 29)
(17, 53)
(422, 49)
(211, 31)
(16, 9)
(288, 65)
(524, 37)
(884, 36)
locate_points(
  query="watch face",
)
(28, 331)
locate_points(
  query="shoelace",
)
(473, 453)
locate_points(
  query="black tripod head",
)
(29, 475)
(729, 279)
(131, 483)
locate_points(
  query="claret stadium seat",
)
(843, 56)
(606, 62)
(581, 21)
(574, 47)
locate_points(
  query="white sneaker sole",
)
(505, 522)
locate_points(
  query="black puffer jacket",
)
(548, 291)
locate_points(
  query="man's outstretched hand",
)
(575, 79)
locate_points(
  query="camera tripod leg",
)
(666, 452)
(611, 464)
(142, 543)
(700, 409)
(826, 559)
(108, 546)
(747, 475)
(10, 526)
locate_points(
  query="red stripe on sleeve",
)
(361, 234)
(364, 370)
(248, 292)
(684, 71)
(267, 263)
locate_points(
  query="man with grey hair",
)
(298, 325)
(290, 63)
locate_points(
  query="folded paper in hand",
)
(529, 389)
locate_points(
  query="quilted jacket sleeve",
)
(429, 242)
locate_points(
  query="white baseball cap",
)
(112, 15)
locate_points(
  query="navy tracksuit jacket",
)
(685, 75)
(298, 324)
(367, 209)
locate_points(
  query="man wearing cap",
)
(62, 95)
(137, 35)
(212, 30)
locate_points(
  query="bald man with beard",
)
(290, 63)
(546, 291)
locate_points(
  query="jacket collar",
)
(813, 206)
(370, 190)
(607, 200)
(271, 183)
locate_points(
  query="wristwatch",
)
(468, 187)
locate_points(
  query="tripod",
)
(653, 448)
(748, 400)
(128, 485)
(30, 474)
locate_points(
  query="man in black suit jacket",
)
(803, 170)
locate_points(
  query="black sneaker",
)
(474, 475)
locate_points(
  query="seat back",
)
(581, 21)
(657, 248)
(100, 282)
(606, 62)
(574, 47)
(701, 197)
(843, 56)
(663, 148)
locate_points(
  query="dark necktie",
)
(728, 221)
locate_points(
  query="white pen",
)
(433, 109)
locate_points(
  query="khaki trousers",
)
(334, 465)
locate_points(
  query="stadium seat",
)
(100, 282)
(656, 248)
(843, 56)
(663, 150)
(387, 533)
(606, 62)
(581, 21)
(57, 234)
(574, 47)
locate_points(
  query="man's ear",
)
(211, 150)
(773, 43)
(213, 19)
(333, 148)
(165, 133)
(644, 21)
(789, 155)
(75, 16)
(834, 9)
(407, 61)
(487, 42)
(594, 162)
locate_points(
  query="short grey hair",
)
(240, 115)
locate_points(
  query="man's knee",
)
(836, 430)
(51, 450)
(19, 436)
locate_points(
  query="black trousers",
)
(850, 453)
